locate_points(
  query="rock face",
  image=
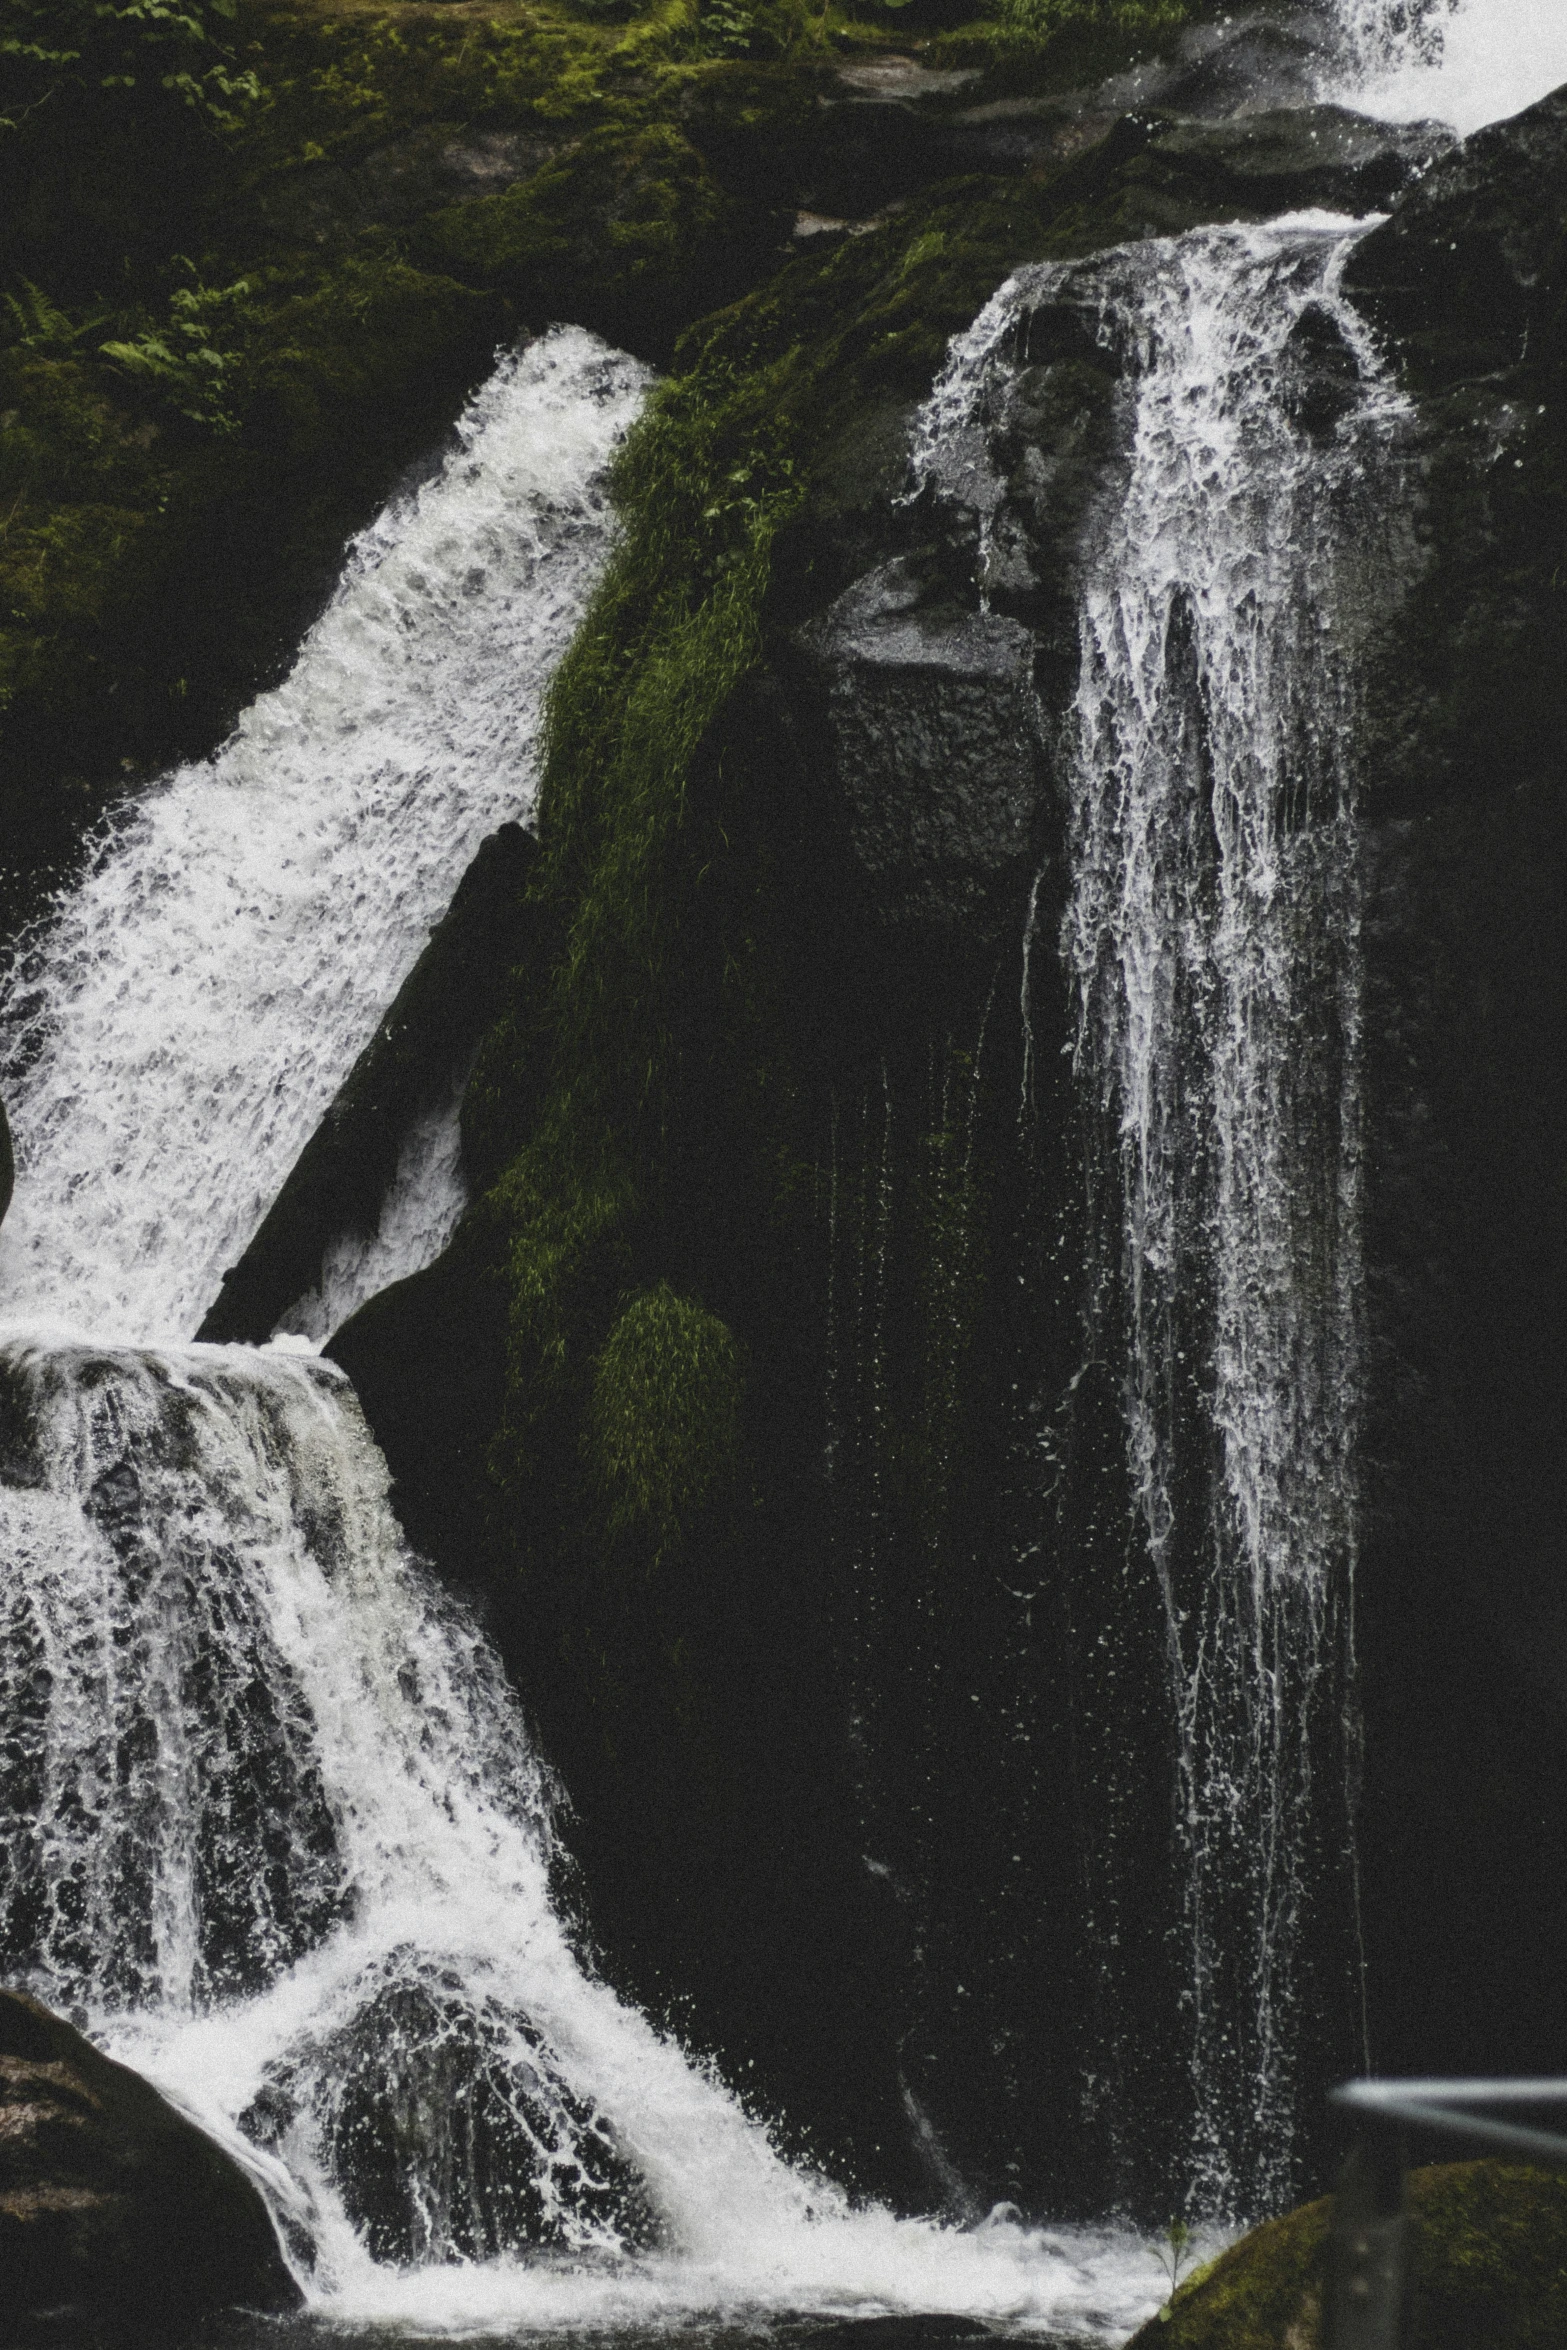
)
(111, 2202)
(1464, 1824)
(1488, 2271)
(7, 1163)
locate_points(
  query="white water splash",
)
(1464, 62)
(1213, 935)
(269, 1813)
(174, 1034)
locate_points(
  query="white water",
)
(1465, 62)
(269, 1817)
(1212, 940)
(170, 1039)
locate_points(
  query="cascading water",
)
(1211, 942)
(173, 1033)
(270, 1822)
(270, 1819)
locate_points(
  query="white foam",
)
(247, 1898)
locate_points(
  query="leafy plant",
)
(38, 324)
(1178, 2250)
(182, 360)
(168, 46)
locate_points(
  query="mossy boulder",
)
(1488, 2271)
(635, 220)
(663, 1421)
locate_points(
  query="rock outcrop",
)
(112, 2204)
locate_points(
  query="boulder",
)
(1488, 2271)
(1468, 275)
(112, 2204)
(422, 1048)
(933, 740)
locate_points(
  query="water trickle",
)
(419, 1214)
(1211, 942)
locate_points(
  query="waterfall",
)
(270, 1821)
(271, 1824)
(1210, 942)
(270, 1802)
(1465, 62)
(172, 1033)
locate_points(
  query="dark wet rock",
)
(1464, 1819)
(1320, 376)
(1467, 284)
(7, 1163)
(1285, 159)
(434, 1428)
(1300, 157)
(421, 1050)
(1250, 63)
(934, 740)
(112, 2204)
(1469, 277)
(448, 2125)
(930, 2330)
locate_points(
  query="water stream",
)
(171, 1035)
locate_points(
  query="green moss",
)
(707, 478)
(663, 1420)
(1488, 2271)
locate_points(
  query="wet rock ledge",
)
(114, 2207)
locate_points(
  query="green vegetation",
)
(709, 478)
(142, 53)
(663, 1421)
(250, 262)
(184, 361)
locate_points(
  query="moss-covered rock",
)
(662, 1426)
(1487, 2271)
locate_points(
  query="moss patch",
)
(663, 1418)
